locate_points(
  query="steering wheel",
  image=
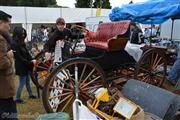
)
(80, 28)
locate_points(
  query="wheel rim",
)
(60, 91)
(151, 68)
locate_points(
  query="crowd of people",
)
(41, 34)
(153, 31)
(16, 60)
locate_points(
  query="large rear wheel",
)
(60, 88)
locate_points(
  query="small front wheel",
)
(151, 68)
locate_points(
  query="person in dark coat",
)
(136, 35)
(23, 62)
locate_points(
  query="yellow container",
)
(138, 116)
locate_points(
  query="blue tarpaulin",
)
(150, 12)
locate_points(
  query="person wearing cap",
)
(60, 34)
(7, 72)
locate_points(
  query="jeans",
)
(174, 73)
(8, 109)
(23, 80)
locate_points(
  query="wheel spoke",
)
(147, 80)
(44, 68)
(58, 88)
(42, 76)
(151, 61)
(44, 64)
(47, 65)
(38, 62)
(158, 78)
(142, 74)
(154, 81)
(65, 99)
(157, 63)
(87, 88)
(88, 76)
(65, 82)
(64, 94)
(144, 79)
(85, 96)
(67, 103)
(85, 85)
(155, 59)
(156, 69)
(70, 78)
(84, 68)
(143, 69)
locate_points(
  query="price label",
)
(125, 107)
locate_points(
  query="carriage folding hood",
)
(93, 22)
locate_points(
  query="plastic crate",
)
(54, 116)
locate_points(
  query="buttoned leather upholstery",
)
(109, 36)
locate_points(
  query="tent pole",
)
(151, 35)
(92, 8)
(172, 28)
(25, 12)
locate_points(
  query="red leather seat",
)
(103, 38)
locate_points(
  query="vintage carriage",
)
(108, 58)
(105, 60)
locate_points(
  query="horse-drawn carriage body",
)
(105, 59)
(106, 46)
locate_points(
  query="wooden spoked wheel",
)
(59, 91)
(41, 70)
(151, 68)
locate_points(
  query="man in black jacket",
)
(58, 37)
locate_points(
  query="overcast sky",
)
(114, 3)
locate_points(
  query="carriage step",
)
(118, 83)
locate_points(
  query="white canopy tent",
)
(38, 15)
(49, 15)
(166, 30)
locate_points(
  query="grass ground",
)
(32, 107)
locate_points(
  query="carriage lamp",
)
(101, 95)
